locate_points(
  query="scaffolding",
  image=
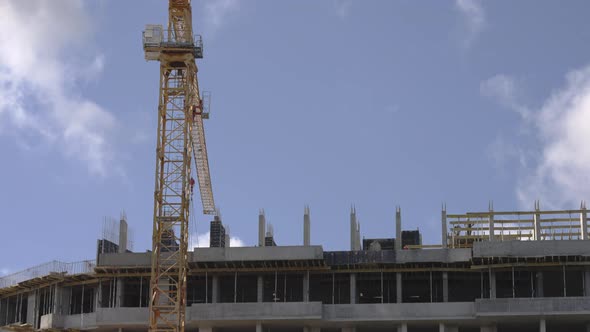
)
(465, 229)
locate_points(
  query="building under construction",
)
(492, 271)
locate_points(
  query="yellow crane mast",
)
(180, 138)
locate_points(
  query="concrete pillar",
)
(261, 227)
(123, 234)
(306, 226)
(403, 327)
(492, 284)
(259, 289)
(443, 218)
(443, 327)
(398, 228)
(542, 325)
(353, 288)
(539, 290)
(31, 308)
(537, 223)
(349, 329)
(215, 289)
(587, 281)
(489, 328)
(445, 280)
(398, 287)
(227, 237)
(120, 291)
(306, 286)
(353, 228)
(491, 223)
(583, 222)
(258, 327)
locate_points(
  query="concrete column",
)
(349, 329)
(542, 325)
(491, 223)
(123, 234)
(443, 327)
(492, 275)
(398, 287)
(306, 226)
(258, 327)
(259, 289)
(31, 306)
(537, 223)
(215, 289)
(306, 286)
(353, 228)
(403, 327)
(587, 281)
(443, 218)
(120, 291)
(489, 328)
(398, 228)
(353, 288)
(583, 222)
(261, 227)
(445, 280)
(539, 290)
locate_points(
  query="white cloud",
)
(202, 241)
(474, 15)
(42, 64)
(342, 8)
(216, 13)
(561, 169)
(505, 90)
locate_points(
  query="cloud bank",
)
(559, 172)
(43, 62)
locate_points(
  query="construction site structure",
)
(180, 137)
(491, 271)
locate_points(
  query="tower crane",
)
(181, 137)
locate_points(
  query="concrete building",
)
(493, 271)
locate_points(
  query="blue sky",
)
(326, 103)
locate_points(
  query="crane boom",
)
(180, 137)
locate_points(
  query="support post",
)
(258, 327)
(261, 227)
(445, 280)
(353, 229)
(403, 327)
(443, 218)
(491, 223)
(583, 222)
(398, 228)
(30, 308)
(398, 287)
(537, 223)
(353, 288)
(259, 289)
(306, 286)
(587, 281)
(542, 325)
(306, 226)
(215, 289)
(492, 284)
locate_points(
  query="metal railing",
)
(156, 36)
(47, 269)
